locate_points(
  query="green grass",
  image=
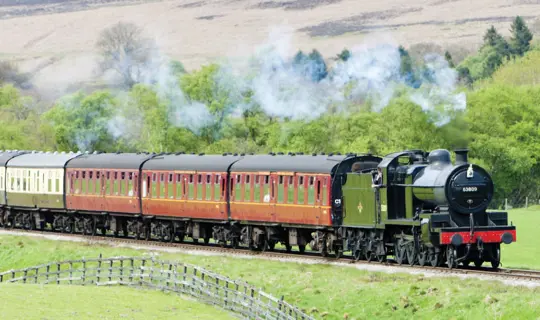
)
(34, 301)
(328, 292)
(525, 253)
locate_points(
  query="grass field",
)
(525, 253)
(33, 301)
(332, 292)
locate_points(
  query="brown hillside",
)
(55, 39)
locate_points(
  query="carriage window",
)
(98, 183)
(199, 187)
(238, 188)
(116, 184)
(257, 190)
(191, 188)
(84, 186)
(153, 191)
(123, 183)
(281, 190)
(24, 181)
(178, 186)
(57, 181)
(107, 182)
(170, 187)
(311, 191)
(247, 189)
(91, 183)
(131, 184)
(301, 190)
(319, 190)
(208, 187)
(37, 180)
(290, 190)
(217, 188)
(162, 186)
(266, 189)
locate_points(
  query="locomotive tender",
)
(426, 211)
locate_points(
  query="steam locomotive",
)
(425, 210)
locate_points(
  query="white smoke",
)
(272, 83)
(372, 73)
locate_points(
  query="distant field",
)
(44, 302)
(55, 39)
(328, 292)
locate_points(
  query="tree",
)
(344, 55)
(124, 50)
(406, 67)
(521, 36)
(81, 122)
(319, 69)
(311, 66)
(464, 76)
(492, 37)
(9, 73)
(448, 58)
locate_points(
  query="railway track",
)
(504, 274)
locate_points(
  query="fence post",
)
(70, 272)
(526, 202)
(505, 203)
(98, 270)
(58, 273)
(84, 271)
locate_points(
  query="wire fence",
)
(507, 204)
(238, 297)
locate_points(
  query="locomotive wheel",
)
(478, 263)
(264, 246)
(423, 256)
(496, 261)
(301, 248)
(369, 256)
(206, 240)
(357, 254)
(271, 245)
(400, 252)
(411, 254)
(234, 242)
(434, 258)
(451, 257)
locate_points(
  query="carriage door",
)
(274, 209)
(321, 188)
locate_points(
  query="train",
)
(415, 206)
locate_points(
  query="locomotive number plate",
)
(470, 189)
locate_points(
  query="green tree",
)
(521, 36)
(344, 55)
(319, 68)
(81, 122)
(503, 129)
(448, 58)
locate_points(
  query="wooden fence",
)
(238, 297)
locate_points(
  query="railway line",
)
(506, 275)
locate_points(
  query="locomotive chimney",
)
(461, 156)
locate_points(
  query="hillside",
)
(55, 39)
